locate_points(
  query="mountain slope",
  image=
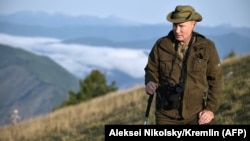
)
(30, 83)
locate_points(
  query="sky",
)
(214, 12)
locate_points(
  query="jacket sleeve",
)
(151, 69)
(214, 79)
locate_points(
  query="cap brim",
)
(196, 17)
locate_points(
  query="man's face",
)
(182, 31)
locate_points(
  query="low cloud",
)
(81, 59)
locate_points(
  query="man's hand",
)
(205, 117)
(151, 87)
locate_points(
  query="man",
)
(184, 72)
(15, 117)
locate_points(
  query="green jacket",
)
(203, 77)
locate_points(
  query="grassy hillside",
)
(235, 102)
(28, 79)
(86, 121)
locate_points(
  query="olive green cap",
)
(183, 13)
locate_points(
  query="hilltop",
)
(86, 121)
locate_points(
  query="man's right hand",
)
(151, 87)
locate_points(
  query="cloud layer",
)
(81, 59)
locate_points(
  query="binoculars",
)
(168, 96)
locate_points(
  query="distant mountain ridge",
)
(130, 37)
(59, 20)
(70, 27)
(30, 83)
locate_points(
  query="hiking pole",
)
(150, 99)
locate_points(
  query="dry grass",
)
(86, 121)
(77, 121)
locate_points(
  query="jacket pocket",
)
(199, 65)
(165, 66)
